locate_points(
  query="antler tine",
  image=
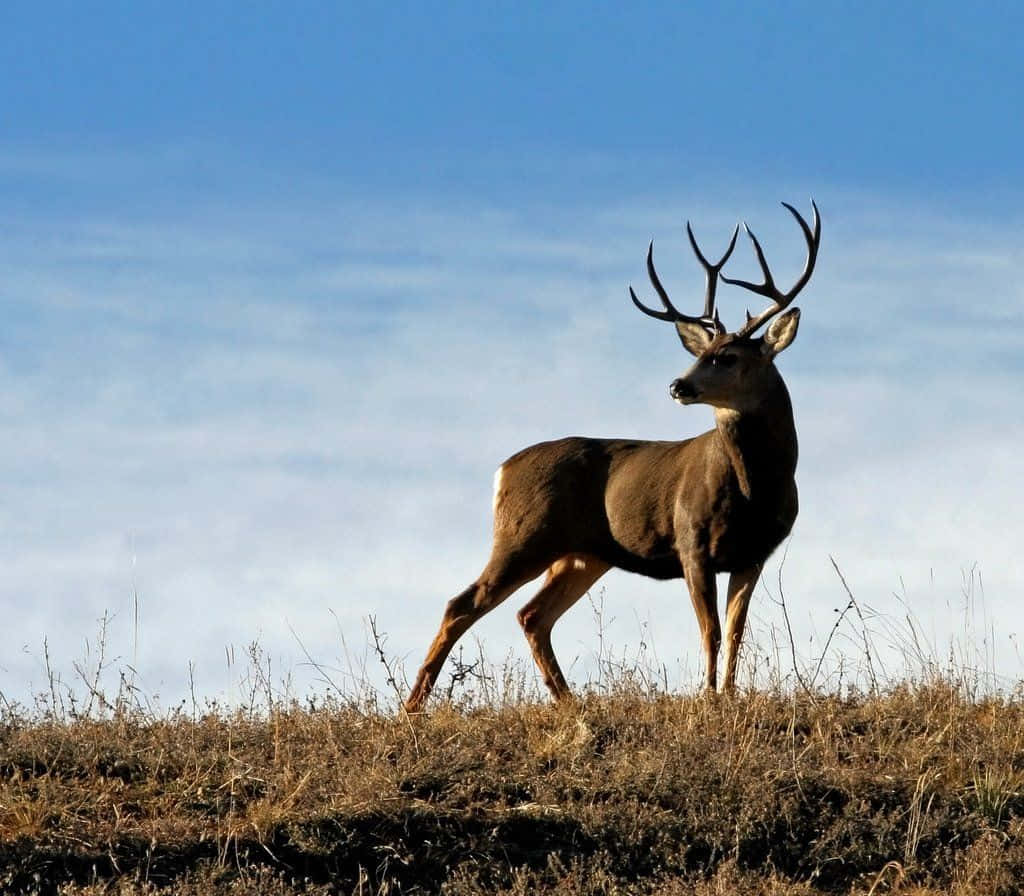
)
(712, 271)
(780, 300)
(671, 313)
(656, 283)
(813, 239)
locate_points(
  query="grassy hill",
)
(917, 788)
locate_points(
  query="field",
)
(815, 781)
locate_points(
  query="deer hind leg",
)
(504, 574)
(704, 594)
(741, 588)
(568, 579)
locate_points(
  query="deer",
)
(720, 502)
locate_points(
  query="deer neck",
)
(761, 443)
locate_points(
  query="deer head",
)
(734, 369)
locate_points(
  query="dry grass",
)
(915, 790)
(827, 778)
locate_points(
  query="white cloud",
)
(266, 419)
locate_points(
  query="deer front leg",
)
(700, 579)
(741, 588)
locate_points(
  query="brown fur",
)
(721, 502)
(575, 507)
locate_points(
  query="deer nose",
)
(681, 390)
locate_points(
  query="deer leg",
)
(568, 580)
(502, 576)
(741, 587)
(700, 579)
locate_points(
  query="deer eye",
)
(723, 360)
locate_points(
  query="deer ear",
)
(693, 336)
(781, 332)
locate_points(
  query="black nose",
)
(680, 390)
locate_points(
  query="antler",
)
(768, 288)
(709, 319)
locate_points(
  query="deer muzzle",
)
(683, 391)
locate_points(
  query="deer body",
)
(638, 498)
(717, 503)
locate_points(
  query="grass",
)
(812, 783)
(916, 790)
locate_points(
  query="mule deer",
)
(720, 502)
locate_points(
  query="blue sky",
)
(283, 286)
(419, 95)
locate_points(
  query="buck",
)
(717, 503)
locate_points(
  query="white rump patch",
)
(497, 486)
